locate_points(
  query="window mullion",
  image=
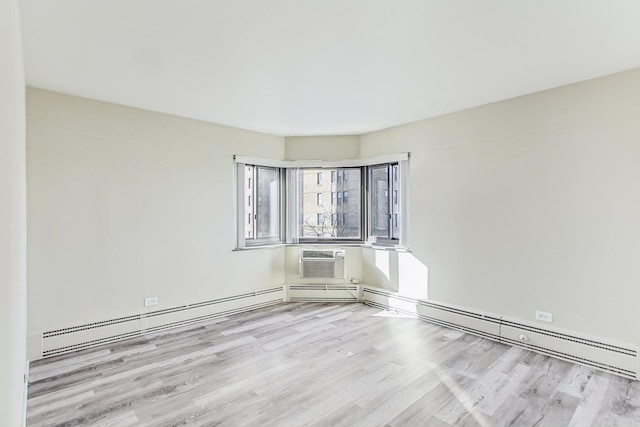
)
(254, 207)
(390, 200)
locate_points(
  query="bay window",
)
(283, 201)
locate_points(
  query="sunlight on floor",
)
(394, 314)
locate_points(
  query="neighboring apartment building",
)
(331, 205)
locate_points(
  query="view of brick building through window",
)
(261, 202)
(331, 203)
(384, 201)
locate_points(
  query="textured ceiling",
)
(302, 67)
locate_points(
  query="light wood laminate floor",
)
(324, 364)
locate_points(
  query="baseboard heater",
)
(323, 293)
(79, 337)
(605, 355)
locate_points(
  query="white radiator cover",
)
(596, 352)
(324, 293)
(77, 337)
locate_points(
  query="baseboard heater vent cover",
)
(323, 293)
(612, 357)
(390, 301)
(606, 356)
(65, 340)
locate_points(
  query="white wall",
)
(397, 271)
(125, 204)
(12, 219)
(530, 204)
(322, 147)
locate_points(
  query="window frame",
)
(291, 192)
(245, 215)
(393, 192)
(340, 173)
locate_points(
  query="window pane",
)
(267, 202)
(379, 201)
(395, 201)
(341, 220)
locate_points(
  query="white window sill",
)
(385, 247)
(327, 244)
(267, 246)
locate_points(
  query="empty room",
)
(329, 213)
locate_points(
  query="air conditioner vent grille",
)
(317, 269)
(317, 254)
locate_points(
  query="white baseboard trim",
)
(596, 352)
(78, 337)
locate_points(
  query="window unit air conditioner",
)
(327, 264)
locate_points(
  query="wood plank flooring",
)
(312, 364)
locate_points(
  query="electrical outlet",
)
(150, 301)
(544, 316)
